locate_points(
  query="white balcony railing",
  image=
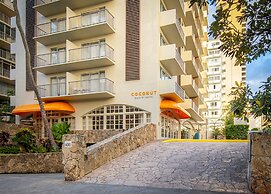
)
(48, 59)
(179, 91)
(91, 18)
(50, 27)
(43, 2)
(179, 59)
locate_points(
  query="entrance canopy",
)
(50, 106)
(173, 109)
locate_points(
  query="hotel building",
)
(115, 64)
(7, 60)
(222, 76)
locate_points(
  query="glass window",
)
(115, 117)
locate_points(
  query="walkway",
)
(199, 166)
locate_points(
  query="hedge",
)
(236, 131)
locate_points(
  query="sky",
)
(258, 70)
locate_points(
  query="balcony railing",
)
(91, 52)
(179, 59)
(91, 86)
(5, 18)
(43, 2)
(47, 90)
(50, 59)
(5, 73)
(7, 3)
(179, 27)
(195, 107)
(7, 37)
(5, 88)
(6, 55)
(91, 18)
(50, 27)
(195, 86)
(179, 91)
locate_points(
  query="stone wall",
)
(80, 160)
(12, 128)
(94, 136)
(31, 163)
(260, 163)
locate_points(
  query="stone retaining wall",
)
(79, 160)
(260, 163)
(31, 163)
(94, 136)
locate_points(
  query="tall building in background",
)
(222, 76)
(115, 64)
(7, 60)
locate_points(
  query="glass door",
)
(53, 26)
(58, 86)
(86, 51)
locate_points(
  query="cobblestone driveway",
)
(202, 166)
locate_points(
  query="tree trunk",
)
(30, 74)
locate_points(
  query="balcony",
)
(6, 40)
(4, 18)
(190, 64)
(87, 25)
(169, 89)
(171, 60)
(78, 90)
(91, 56)
(5, 76)
(54, 7)
(190, 86)
(6, 7)
(176, 4)
(193, 109)
(171, 27)
(7, 56)
(191, 41)
(4, 90)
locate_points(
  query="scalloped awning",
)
(173, 109)
(50, 106)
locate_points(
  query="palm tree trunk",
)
(30, 74)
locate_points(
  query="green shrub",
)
(58, 130)
(25, 139)
(9, 150)
(4, 138)
(236, 131)
(41, 149)
(254, 129)
(216, 132)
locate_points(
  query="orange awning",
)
(173, 109)
(50, 106)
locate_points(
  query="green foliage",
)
(254, 129)
(236, 131)
(239, 105)
(9, 150)
(4, 138)
(41, 149)
(261, 103)
(245, 45)
(216, 132)
(25, 139)
(58, 130)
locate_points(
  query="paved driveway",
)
(200, 166)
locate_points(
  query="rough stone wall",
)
(12, 128)
(260, 163)
(31, 163)
(94, 136)
(79, 160)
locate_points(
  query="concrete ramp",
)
(206, 166)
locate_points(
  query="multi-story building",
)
(115, 64)
(222, 77)
(7, 60)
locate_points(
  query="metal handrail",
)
(48, 59)
(91, 86)
(42, 2)
(179, 58)
(7, 3)
(50, 27)
(104, 16)
(91, 52)
(179, 91)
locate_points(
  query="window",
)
(163, 74)
(118, 117)
(213, 104)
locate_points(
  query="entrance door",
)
(58, 55)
